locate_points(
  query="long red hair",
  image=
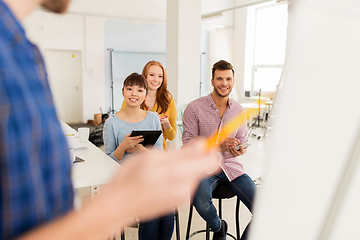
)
(163, 96)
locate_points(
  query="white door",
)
(65, 76)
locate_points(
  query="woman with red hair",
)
(159, 99)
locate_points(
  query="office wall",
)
(205, 68)
(132, 37)
(75, 32)
(239, 50)
(64, 69)
(227, 40)
(90, 35)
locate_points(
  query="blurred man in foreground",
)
(36, 193)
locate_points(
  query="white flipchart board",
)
(312, 189)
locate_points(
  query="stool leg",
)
(207, 231)
(189, 222)
(220, 208)
(237, 218)
(177, 225)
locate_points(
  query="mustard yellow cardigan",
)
(171, 113)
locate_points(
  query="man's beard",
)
(56, 6)
(221, 95)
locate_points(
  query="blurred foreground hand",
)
(153, 183)
(147, 185)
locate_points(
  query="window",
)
(269, 29)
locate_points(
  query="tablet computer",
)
(150, 136)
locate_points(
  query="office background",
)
(301, 199)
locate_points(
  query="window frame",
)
(254, 66)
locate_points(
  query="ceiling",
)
(154, 10)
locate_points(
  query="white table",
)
(256, 98)
(98, 168)
(253, 105)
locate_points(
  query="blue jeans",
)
(157, 229)
(243, 187)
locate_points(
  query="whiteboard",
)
(123, 64)
(316, 133)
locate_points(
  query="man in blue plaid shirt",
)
(35, 166)
(36, 194)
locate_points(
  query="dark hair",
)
(222, 65)
(136, 79)
(163, 96)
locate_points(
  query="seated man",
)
(203, 117)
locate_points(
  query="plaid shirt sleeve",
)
(242, 131)
(190, 124)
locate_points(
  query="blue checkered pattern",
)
(35, 169)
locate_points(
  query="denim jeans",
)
(157, 229)
(243, 187)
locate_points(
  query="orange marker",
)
(229, 128)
